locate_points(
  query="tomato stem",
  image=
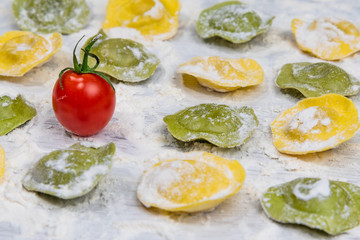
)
(83, 67)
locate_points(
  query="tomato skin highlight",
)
(86, 103)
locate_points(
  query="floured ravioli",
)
(21, 51)
(218, 124)
(316, 79)
(70, 173)
(14, 111)
(48, 16)
(326, 38)
(233, 21)
(223, 74)
(2, 161)
(130, 62)
(315, 124)
(330, 206)
(192, 182)
(155, 19)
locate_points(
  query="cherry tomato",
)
(86, 103)
(83, 99)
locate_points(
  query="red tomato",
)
(86, 103)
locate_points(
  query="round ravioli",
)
(330, 206)
(233, 21)
(223, 74)
(192, 182)
(21, 51)
(14, 112)
(326, 38)
(315, 124)
(156, 19)
(71, 172)
(2, 161)
(316, 79)
(48, 16)
(218, 124)
(130, 62)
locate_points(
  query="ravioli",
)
(218, 124)
(48, 16)
(21, 51)
(155, 19)
(2, 161)
(330, 206)
(223, 74)
(13, 113)
(192, 182)
(130, 62)
(328, 38)
(315, 124)
(233, 21)
(316, 79)
(70, 173)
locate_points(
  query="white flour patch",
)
(112, 210)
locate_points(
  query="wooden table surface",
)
(111, 210)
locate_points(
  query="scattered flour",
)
(306, 120)
(156, 11)
(112, 211)
(319, 189)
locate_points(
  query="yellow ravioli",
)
(196, 181)
(2, 161)
(315, 124)
(21, 51)
(327, 38)
(223, 74)
(156, 19)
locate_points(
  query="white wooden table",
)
(112, 211)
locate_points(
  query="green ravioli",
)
(316, 79)
(331, 206)
(70, 173)
(218, 124)
(13, 113)
(48, 16)
(123, 59)
(233, 21)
